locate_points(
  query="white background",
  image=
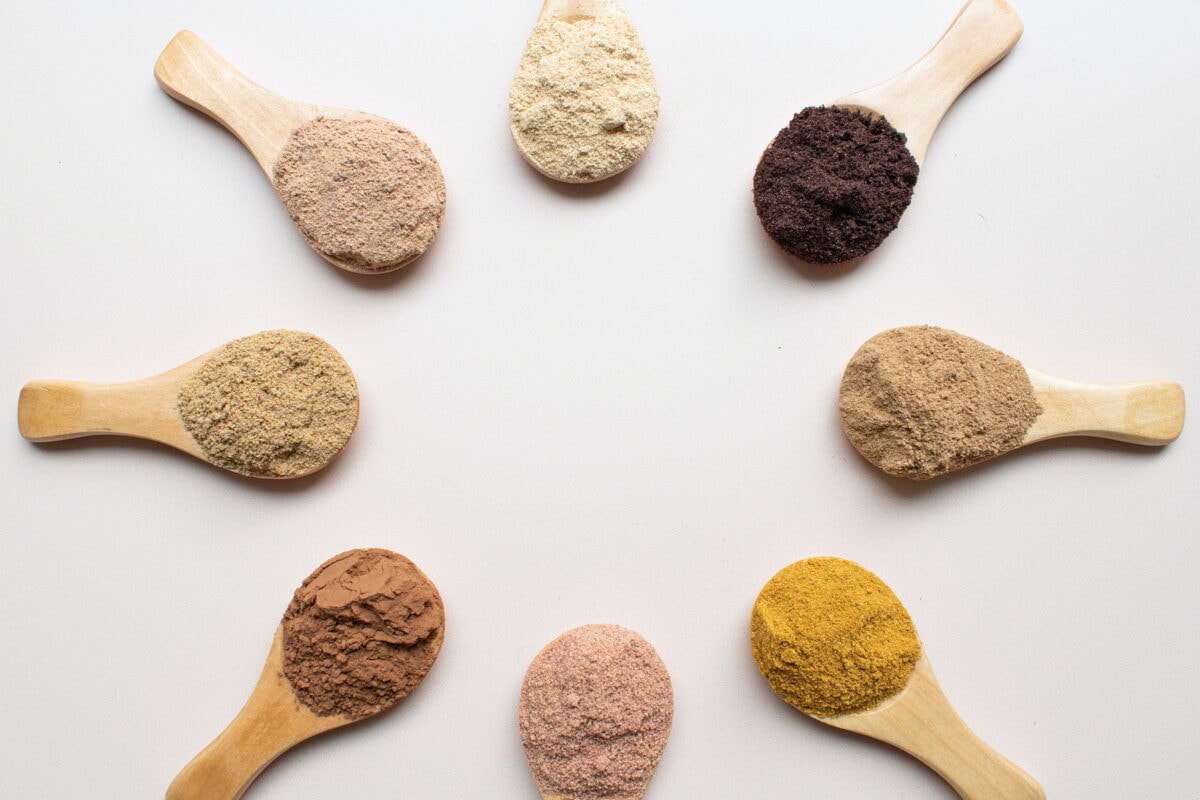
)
(604, 404)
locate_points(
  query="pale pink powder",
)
(595, 712)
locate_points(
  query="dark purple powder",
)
(833, 184)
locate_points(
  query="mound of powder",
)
(364, 192)
(833, 184)
(595, 711)
(361, 632)
(583, 103)
(832, 638)
(278, 404)
(921, 401)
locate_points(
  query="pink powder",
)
(595, 712)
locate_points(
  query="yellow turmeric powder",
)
(831, 638)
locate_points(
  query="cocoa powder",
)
(361, 632)
(833, 184)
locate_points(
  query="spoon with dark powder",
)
(359, 635)
(921, 401)
(278, 404)
(367, 194)
(595, 712)
(833, 184)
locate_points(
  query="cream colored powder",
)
(364, 192)
(278, 404)
(583, 103)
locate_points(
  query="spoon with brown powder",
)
(922, 401)
(278, 404)
(833, 184)
(835, 642)
(359, 635)
(367, 194)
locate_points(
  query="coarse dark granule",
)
(833, 184)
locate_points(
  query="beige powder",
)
(921, 401)
(583, 104)
(278, 404)
(364, 192)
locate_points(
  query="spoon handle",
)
(190, 71)
(49, 411)
(1139, 412)
(916, 100)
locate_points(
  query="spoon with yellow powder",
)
(583, 104)
(278, 404)
(360, 634)
(835, 642)
(922, 401)
(367, 194)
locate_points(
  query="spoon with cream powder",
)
(832, 185)
(278, 404)
(835, 642)
(583, 104)
(359, 635)
(367, 194)
(921, 401)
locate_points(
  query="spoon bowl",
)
(192, 72)
(152, 408)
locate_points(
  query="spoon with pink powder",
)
(359, 635)
(367, 194)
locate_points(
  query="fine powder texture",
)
(278, 404)
(364, 192)
(583, 103)
(361, 632)
(833, 184)
(831, 638)
(595, 711)
(921, 401)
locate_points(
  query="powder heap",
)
(583, 103)
(921, 401)
(361, 632)
(831, 638)
(364, 192)
(833, 184)
(595, 711)
(278, 404)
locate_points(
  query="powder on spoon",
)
(583, 104)
(921, 401)
(278, 404)
(595, 711)
(833, 184)
(364, 192)
(831, 638)
(361, 632)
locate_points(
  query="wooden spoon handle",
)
(194, 74)
(1139, 412)
(916, 100)
(574, 9)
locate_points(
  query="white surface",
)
(602, 404)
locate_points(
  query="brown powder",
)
(832, 638)
(278, 404)
(595, 711)
(365, 192)
(361, 632)
(921, 401)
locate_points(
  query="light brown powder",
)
(365, 192)
(921, 401)
(595, 712)
(361, 632)
(583, 104)
(278, 404)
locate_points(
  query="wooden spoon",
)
(1139, 412)
(54, 410)
(920, 721)
(190, 71)
(915, 101)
